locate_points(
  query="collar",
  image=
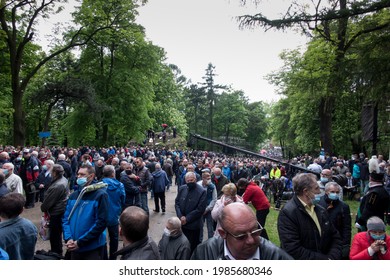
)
(305, 205)
(229, 256)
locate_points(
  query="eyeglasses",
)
(244, 236)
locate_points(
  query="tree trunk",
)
(18, 117)
(326, 134)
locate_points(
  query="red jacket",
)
(255, 194)
(359, 249)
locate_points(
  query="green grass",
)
(272, 219)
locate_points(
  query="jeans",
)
(210, 226)
(144, 201)
(113, 233)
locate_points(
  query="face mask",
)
(377, 237)
(44, 167)
(128, 172)
(241, 168)
(218, 176)
(324, 180)
(5, 172)
(333, 196)
(167, 232)
(81, 181)
(208, 182)
(191, 185)
(316, 199)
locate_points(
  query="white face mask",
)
(167, 232)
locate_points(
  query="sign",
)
(44, 134)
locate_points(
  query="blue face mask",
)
(377, 237)
(44, 167)
(217, 177)
(316, 199)
(324, 180)
(5, 172)
(333, 196)
(81, 181)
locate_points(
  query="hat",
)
(27, 151)
(376, 224)
(377, 177)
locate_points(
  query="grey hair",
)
(331, 184)
(189, 174)
(50, 162)
(108, 170)
(174, 222)
(61, 157)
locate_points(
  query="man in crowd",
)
(174, 245)
(18, 235)
(144, 182)
(219, 180)
(116, 200)
(160, 183)
(133, 229)
(239, 238)
(85, 218)
(190, 204)
(29, 172)
(374, 203)
(339, 214)
(14, 182)
(305, 230)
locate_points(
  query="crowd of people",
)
(93, 197)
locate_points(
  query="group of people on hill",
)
(88, 193)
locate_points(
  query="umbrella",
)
(164, 125)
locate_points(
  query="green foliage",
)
(230, 119)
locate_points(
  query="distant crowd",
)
(88, 193)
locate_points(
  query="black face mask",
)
(191, 185)
(128, 172)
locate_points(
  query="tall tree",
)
(331, 22)
(18, 21)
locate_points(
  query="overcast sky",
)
(197, 32)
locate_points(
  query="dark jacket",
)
(174, 247)
(42, 179)
(67, 168)
(213, 249)
(145, 178)
(299, 235)
(144, 249)
(374, 203)
(219, 183)
(56, 197)
(191, 203)
(340, 216)
(160, 181)
(167, 167)
(131, 189)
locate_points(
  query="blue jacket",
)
(116, 200)
(89, 220)
(160, 181)
(18, 237)
(191, 203)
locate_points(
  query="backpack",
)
(44, 255)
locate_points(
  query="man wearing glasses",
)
(239, 238)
